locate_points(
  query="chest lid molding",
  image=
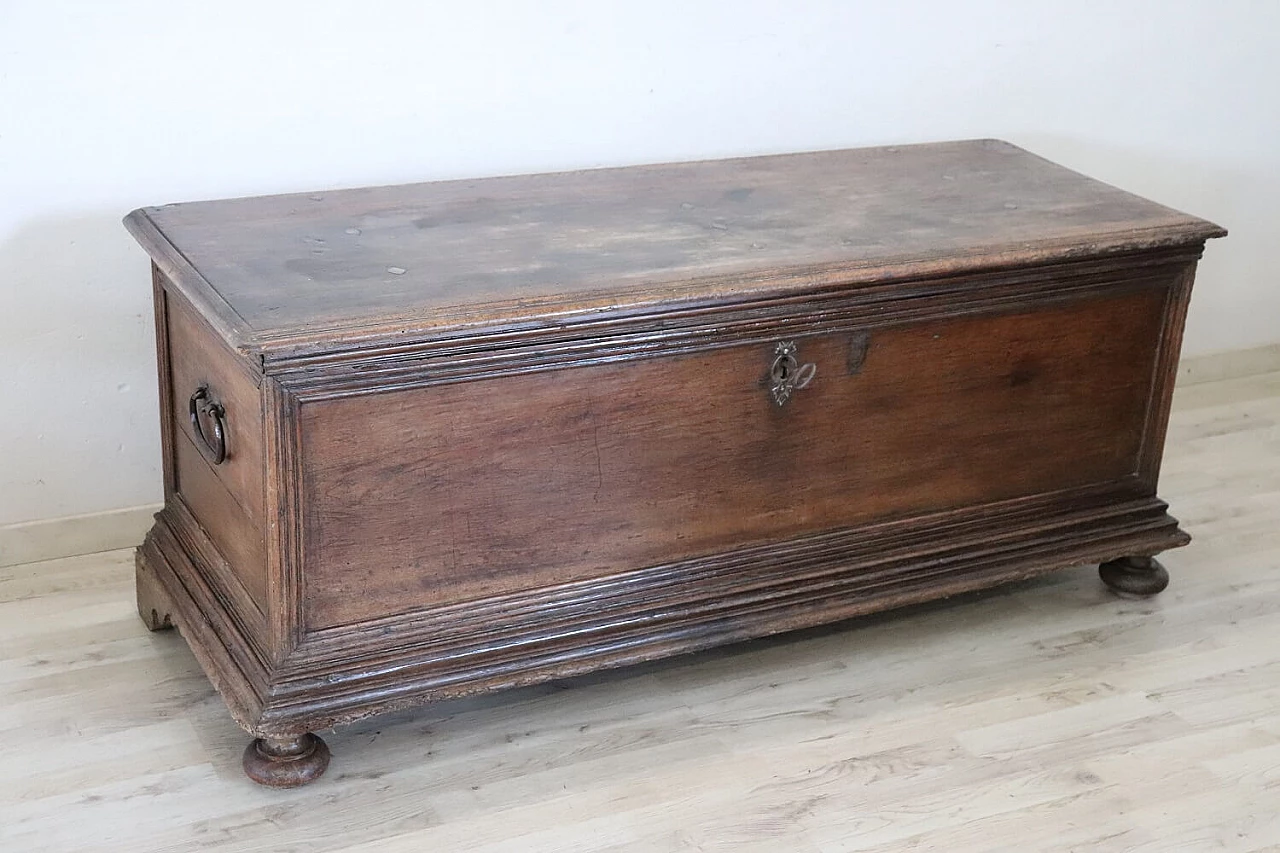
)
(289, 276)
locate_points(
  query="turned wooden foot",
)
(286, 762)
(153, 604)
(1134, 575)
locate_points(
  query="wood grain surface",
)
(198, 358)
(1047, 716)
(276, 272)
(428, 497)
(228, 498)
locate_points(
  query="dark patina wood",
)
(636, 463)
(488, 433)
(1135, 575)
(286, 762)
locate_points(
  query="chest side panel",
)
(227, 499)
(454, 492)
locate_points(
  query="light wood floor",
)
(1045, 716)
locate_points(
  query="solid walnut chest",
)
(432, 440)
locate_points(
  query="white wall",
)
(109, 106)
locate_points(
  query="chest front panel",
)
(452, 492)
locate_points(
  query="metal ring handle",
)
(215, 451)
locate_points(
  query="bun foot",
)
(286, 762)
(1134, 575)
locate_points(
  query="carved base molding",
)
(335, 677)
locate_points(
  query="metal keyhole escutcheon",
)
(787, 374)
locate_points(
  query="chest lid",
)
(288, 275)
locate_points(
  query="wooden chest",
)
(432, 440)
